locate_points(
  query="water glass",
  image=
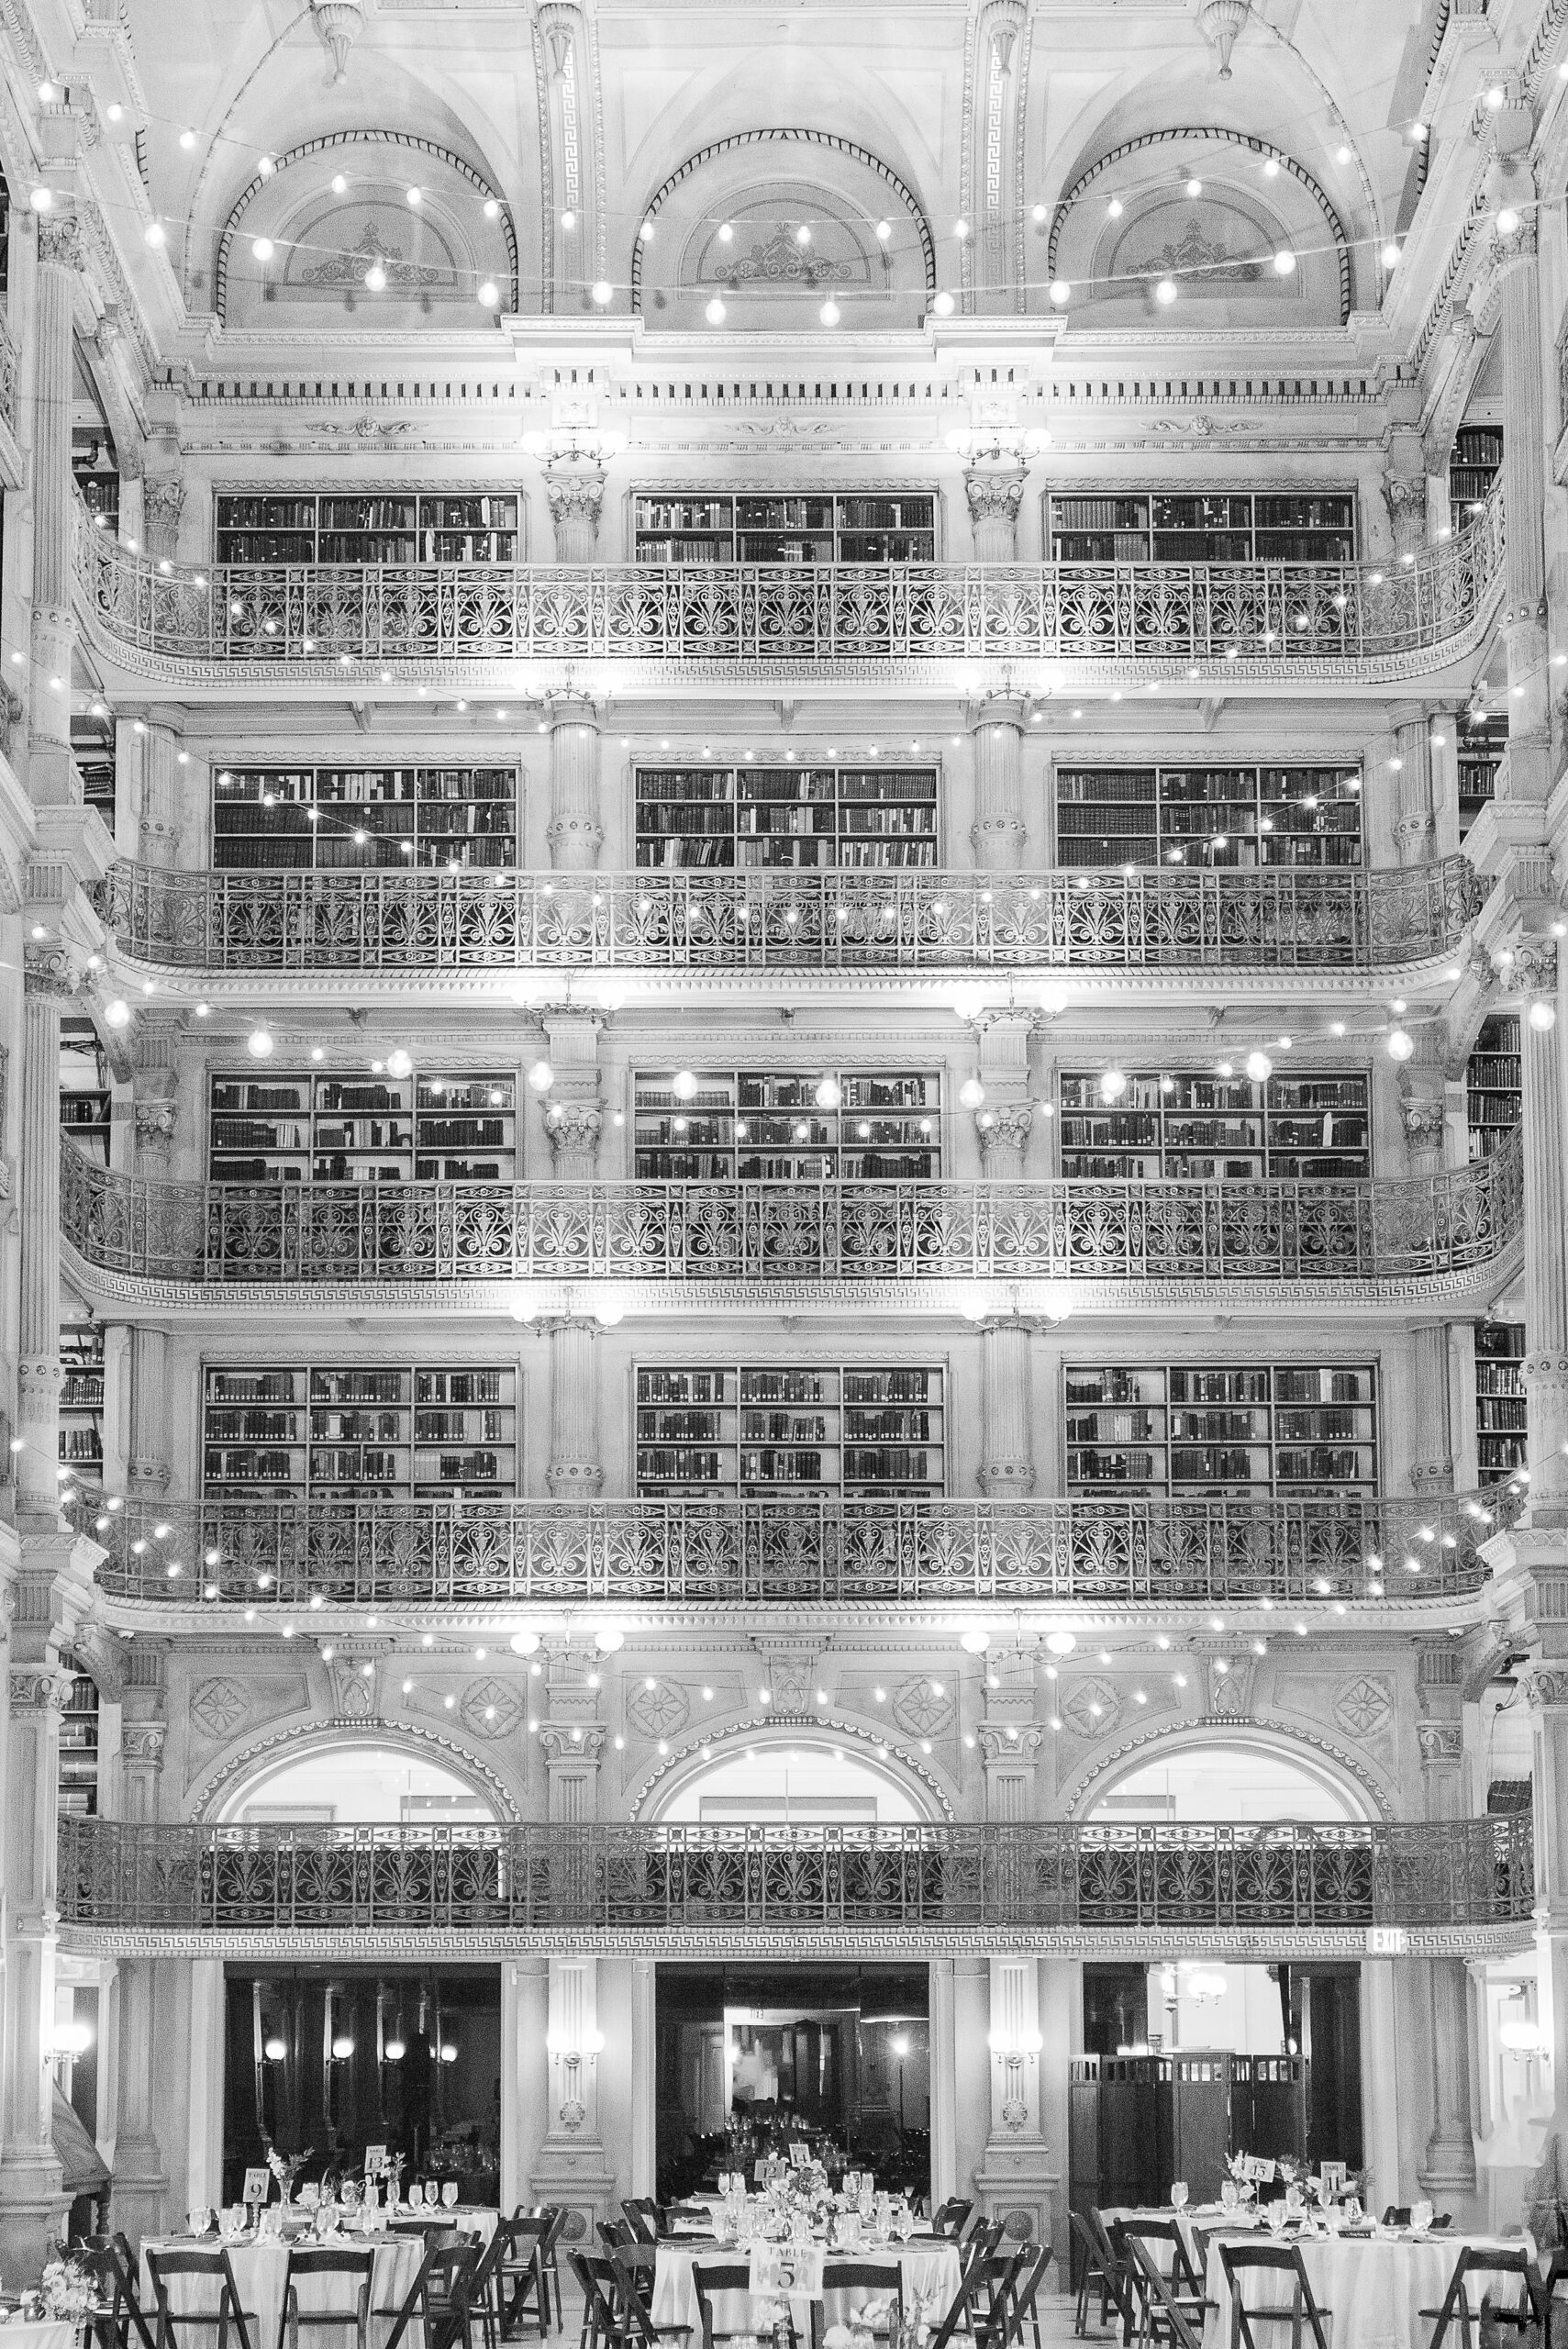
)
(449, 2194)
(1352, 2211)
(1275, 2213)
(1179, 2194)
(1421, 2217)
(1228, 2197)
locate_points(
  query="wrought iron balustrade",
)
(216, 1234)
(1269, 617)
(9, 374)
(1109, 1550)
(1286, 917)
(597, 1878)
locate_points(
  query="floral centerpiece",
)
(286, 2168)
(64, 2294)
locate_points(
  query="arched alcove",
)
(340, 1776)
(781, 1775)
(1200, 1775)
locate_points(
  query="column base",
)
(574, 2170)
(574, 1480)
(1017, 2180)
(33, 2210)
(137, 2197)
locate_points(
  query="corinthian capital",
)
(993, 494)
(48, 971)
(1534, 967)
(60, 241)
(575, 497)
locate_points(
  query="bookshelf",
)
(839, 525)
(96, 476)
(311, 1127)
(82, 1402)
(1483, 739)
(1207, 1429)
(1180, 1123)
(1501, 1434)
(377, 526)
(770, 816)
(1226, 526)
(77, 1778)
(1494, 1084)
(1109, 817)
(750, 1127)
(93, 748)
(306, 818)
(749, 1430)
(85, 1100)
(1475, 463)
(387, 1432)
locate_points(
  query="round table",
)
(48, 2333)
(1375, 2286)
(260, 2267)
(929, 2270)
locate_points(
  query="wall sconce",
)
(394, 2051)
(67, 2040)
(571, 2054)
(342, 2047)
(274, 2049)
(1015, 2048)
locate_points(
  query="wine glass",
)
(1352, 2209)
(198, 2221)
(1228, 2197)
(1179, 2194)
(1275, 2213)
(449, 2194)
(1421, 2217)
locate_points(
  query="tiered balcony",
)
(307, 629)
(1108, 1552)
(1460, 1885)
(941, 924)
(910, 1245)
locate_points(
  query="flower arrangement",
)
(286, 2168)
(66, 2291)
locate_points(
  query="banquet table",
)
(260, 2269)
(47, 2333)
(1375, 2286)
(928, 2269)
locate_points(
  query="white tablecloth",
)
(1375, 2287)
(475, 2219)
(261, 2267)
(929, 2270)
(45, 2335)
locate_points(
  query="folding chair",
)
(639, 2218)
(957, 2322)
(708, 2280)
(1153, 2292)
(1013, 2306)
(1090, 2274)
(303, 2265)
(521, 2275)
(1238, 2260)
(1556, 2273)
(437, 2300)
(1185, 2288)
(167, 2267)
(866, 2276)
(115, 2313)
(953, 2220)
(1114, 2262)
(1520, 2316)
(555, 2215)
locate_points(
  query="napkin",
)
(837, 2337)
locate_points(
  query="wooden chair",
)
(1149, 2287)
(877, 2282)
(1239, 2260)
(637, 2215)
(709, 2279)
(437, 2301)
(1089, 2260)
(1185, 2288)
(556, 2215)
(1556, 2273)
(215, 2314)
(958, 2324)
(116, 2311)
(955, 2218)
(520, 2275)
(1113, 2263)
(304, 2264)
(1525, 2310)
(1020, 2305)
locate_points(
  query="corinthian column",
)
(1512, 190)
(1448, 2166)
(33, 2201)
(994, 495)
(575, 1471)
(576, 501)
(1534, 972)
(140, 2179)
(998, 831)
(51, 780)
(48, 986)
(575, 834)
(1414, 826)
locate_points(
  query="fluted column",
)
(1005, 1120)
(33, 2202)
(575, 1470)
(1547, 1689)
(994, 493)
(1534, 972)
(576, 500)
(1405, 469)
(140, 2179)
(1010, 1739)
(149, 1465)
(1006, 1463)
(998, 833)
(573, 1117)
(161, 802)
(52, 776)
(1014, 2172)
(1449, 2163)
(1414, 824)
(1512, 187)
(575, 833)
(48, 986)
(1431, 1466)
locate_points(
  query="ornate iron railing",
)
(1467, 1872)
(1293, 918)
(1270, 618)
(806, 1550)
(220, 1233)
(9, 374)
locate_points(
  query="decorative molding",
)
(250, 1759)
(824, 1728)
(1197, 1729)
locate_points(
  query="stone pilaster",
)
(1010, 1739)
(994, 495)
(48, 986)
(1404, 468)
(160, 797)
(140, 2178)
(572, 1738)
(1005, 1120)
(52, 774)
(1431, 1466)
(572, 2167)
(998, 833)
(1527, 775)
(573, 1116)
(575, 833)
(575, 1471)
(1015, 2172)
(1447, 2167)
(1414, 824)
(162, 502)
(149, 1465)
(1007, 1461)
(576, 497)
(155, 1082)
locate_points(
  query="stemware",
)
(1228, 2195)
(1421, 2216)
(1179, 2194)
(449, 2193)
(1276, 2214)
(198, 2221)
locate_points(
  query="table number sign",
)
(375, 2160)
(257, 2186)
